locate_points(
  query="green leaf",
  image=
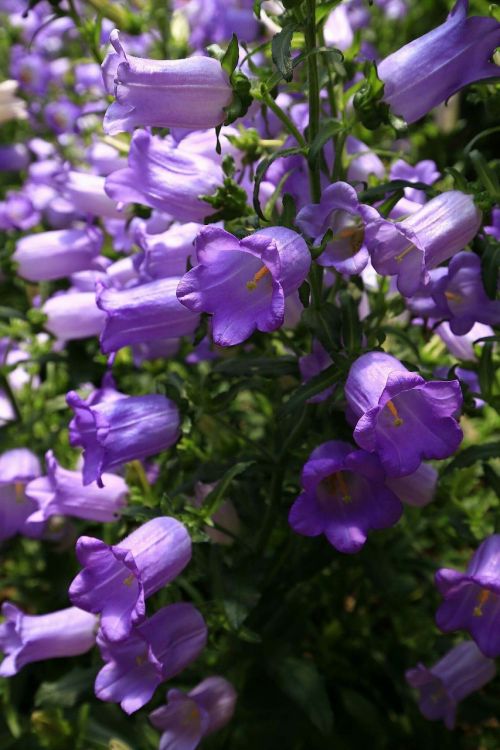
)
(327, 131)
(325, 325)
(319, 383)
(487, 370)
(486, 174)
(10, 312)
(281, 53)
(66, 691)
(214, 499)
(490, 265)
(303, 684)
(472, 454)
(351, 326)
(325, 9)
(263, 366)
(230, 59)
(261, 170)
(379, 191)
(492, 479)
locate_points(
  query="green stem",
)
(287, 122)
(314, 100)
(269, 517)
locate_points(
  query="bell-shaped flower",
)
(462, 671)
(190, 93)
(156, 650)
(166, 254)
(116, 580)
(46, 256)
(17, 468)
(73, 315)
(124, 429)
(417, 489)
(62, 493)
(243, 283)
(401, 417)
(345, 496)
(472, 599)
(189, 717)
(28, 638)
(431, 68)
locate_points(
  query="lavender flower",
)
(472, 599)
(417, 489)
(311, 365)
(431, 68)
(156, 650)
(424, 171)
(114, 432)
(166, 254)
(15, 157)
(494, 228)
(116, 581)
(143, 313)
(17, 467)
(401, 417)
(61, 116)
(87, 194)
(62, 493)
(189, 93)
(28, 638)
(187, 718)
(18, 212)
(166, 178)
(426, 238)
(243, 283)
(344, 497)
(73, 315)
(54, 255)
(458, 674)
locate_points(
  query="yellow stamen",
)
(483, 597)
(139, 660)
(129, 580)
(19, 489)
(252, 284)
(355, 235)
(453, 296)
(404, 253)
(397, 419)
(344, 489)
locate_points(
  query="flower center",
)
(128, 581)
(483, 597)
(404, 253)
(337, 485)
(19, 489)
(252, 284)
(355, 236)
(397, 419)
(453, 296)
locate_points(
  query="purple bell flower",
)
(62, 493)
(431, 68)
(28, 638)
(243, 283)
(461, 293)
(188, 718)
(54, 255)
(143, 313)
(18, 212)
(363, 162)
(17, 468)
(116, 581)
(340, 211)
(494, 228)
(189, 93)
(462, 347)
(166, 178)
(14, 158)
(61, 116)
(417, 489)
(424, 171)
(472, 599)
(311, 365)
(410, 248)
(124, 429)
(458, 674)
(87, 193)
(166, 254)
(401, 417)
(73, 315)
(344, 497)
(156, 650)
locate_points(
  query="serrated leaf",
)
(281, 51)
(303, 684)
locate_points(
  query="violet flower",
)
(166, 178)
(424, 171)
(431, 68)
(166, 254)
(401, 417)
(311, 365)
(114, 432)
(189, 717)
(46, 256)
(417, 489)
(62, 493)
(156, 650)
(190, 93)
(410, 248)
(15, 157)
(243, 283)
(472, 599)
(73, 315)
(61, 116)
(18, 212)
(143, 313)
(462, 671)
(28, 638)
(462, 347)
(363, 162)
(493, 229)
(340, 211)
(344, 497)
(87, 193)
(461, 293)
(116, 581)
(17, 468)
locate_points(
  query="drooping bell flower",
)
(462, 347)
(344, 497)
(424, 171)
(166, 178)
(17, 468)
(15, 157)
(46, 256)
(243, 283)
(86, 191)
(114, 432)
(462, 671)
(472, 599)
(18, 212)
(408, 249)
(190, 93)
(117, 580)
(156, 650)
(73, 315)
(461, 294)
(28, 638)
(340, 211)
(417, 489)
(431, 68)
(363, 162)
(61, 492)
(189, 717)
(401, 417)
(493, 229)
(166, 254)
(143, 313)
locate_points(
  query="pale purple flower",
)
(416, 489)
(18, 212)
(311, 365)
(166, 254)
(61, 115)
(73, 315)
(462, 347)
(493, 229)
(116, 580)
(87, 194)
(363, 161)
(424, 171)
(17, 468)
(14, 158)
(53, 255)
